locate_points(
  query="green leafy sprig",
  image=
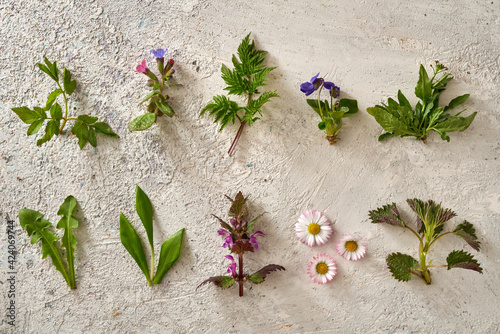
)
(86, 127)
(430, 221)
(38, 228)
(244, 80)
(170, 249)
(400, 119)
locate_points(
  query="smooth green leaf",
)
(150, 95)
(388, 214)
(251, 224)
(52, 97)
(104, 129)
(467, 232)
(389, 122)
(170, 251)
(37, 227)
(47, 71)
(53, 68)
(403, 101)
(133, 245)
(69, 222)
(386, 135)
(455, 123)
(457, 101)
(352, 106)
(424, 88)
(464, 260)
(35, 126)
(401, 266)
(92, 137)
(87, 119)
(27, 115)
(145, 212)
(56, 112)
(142, 122)
(81, 131)
(69, 85)
(165, 108)
(51, 129)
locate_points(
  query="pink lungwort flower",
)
(313, 228)
(322, 268)
(351, 248)
(142, 68)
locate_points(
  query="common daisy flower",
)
(313, 228)
(322, 268)
(351, 248)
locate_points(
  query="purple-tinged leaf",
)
(467, 232)
(387, 214)
(242, 246)
(221, 281)
(260, 276)
(239, 207)
(464, 260)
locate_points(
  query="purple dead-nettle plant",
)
(239, 237)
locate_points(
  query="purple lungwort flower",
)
(231, 269)
(253, 239)
(142, 68)
(158, 53)
(334, 90)
(310, 87)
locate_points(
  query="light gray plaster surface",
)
(283, 163)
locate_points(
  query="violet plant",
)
(239, 239)
(332, 113)
(38, 228)
(86, 127)
(430, 223)
(244, 80)
(158, 99)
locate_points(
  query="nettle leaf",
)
(387, 214)
(467, 232)
(87, 119)
(239, 207)
(51, 129)
(69, 85)
(401, 266)
(69, 222)
(221, 281)
(462, 259)
(104, 129)
(33, 223)
(260, 276)
(242, 246)
(431, 213)
(81, 131)
(351, 105)
(145, 211)
(56, 112)
(170, 251)
(132, 243)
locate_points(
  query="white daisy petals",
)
(313, 228)
(322, 268)
(352, 248)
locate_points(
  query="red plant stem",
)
(240, 273)
(238, 135)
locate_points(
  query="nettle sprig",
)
(38, 228)
(86, 127)
(244, 80)
(331, 114)
(430, 221)
(239, 239)
(170, 249)
(400, 119)
(158, 105)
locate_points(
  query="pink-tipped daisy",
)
(351, 248)
(313, 228)
(322, 269)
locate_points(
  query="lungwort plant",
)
(86, 127)
(38, 228)
(158, 99)
(170, 249)
(239, 239)
(400, 119)
(331, 114)
(244, 80)
(430, 221)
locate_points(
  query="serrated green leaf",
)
(92, 137)
(430, 216)
(251, 224)
(69, 222)
(35, 126)
(145, 211)
(388, 214)
(165, 108)
(132, 243)
(81, 131)
(260, 276)
(56, 112)
(104, 129)
(351, 105)
(51, 129)
(69, 85)
(87, 119)
(221, 281)
(27, 115)
(170, 251)
(464, 260)
(401, 266)
(255, 278)
(239, 207)
(33, 223)
(142, 122)
(52, 97)
(467, 232)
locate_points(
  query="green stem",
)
(152, 270)
(319, 103)
(433, 241)
(66, 108)
(437, 265)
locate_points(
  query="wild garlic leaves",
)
(170, 249)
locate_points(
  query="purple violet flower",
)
(159, 53)
(253, 239)
(231, 269)
(310, 87)
(334, 90)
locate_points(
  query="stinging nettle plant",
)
(38, 228)
(244, 80)
(430, 223)
(170, 249)
(238, 240)
(86, 127)
(400, 119)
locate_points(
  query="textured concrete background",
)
(370, 49)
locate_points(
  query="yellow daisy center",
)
(321, 268)
(351, 246)
(313, 228)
